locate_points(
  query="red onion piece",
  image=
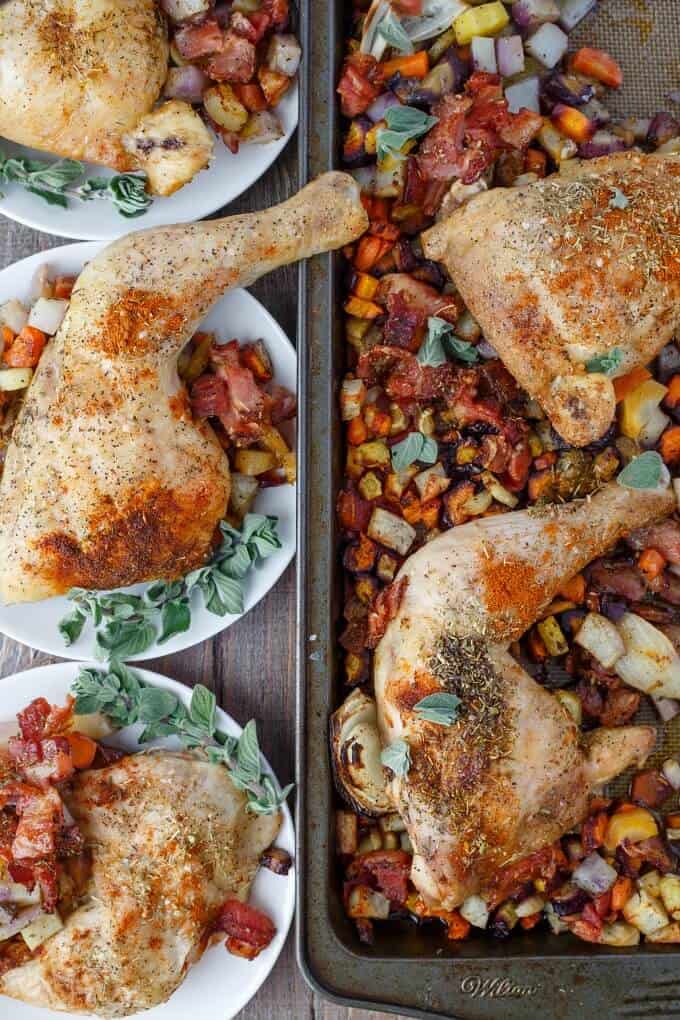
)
(667, 708)
(381, 105)
(548, 44)
(510, 55)
(664, 126)
(603, 143)
(524, 96)
(22, 920)
(574, 11)
(485, 350)
(187, 83)
(594, 875)
(483, 52)
(529, 14)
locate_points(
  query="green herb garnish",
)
(607, 363)
(404, 124)
(414, 447)
(397, 757)
(55, 183)
(441, 343)
(120, 694)
(394, 33)
(441, 708)
(647, 471)
(618, 200)
(127, 624)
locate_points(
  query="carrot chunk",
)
(26, 349)
(625, 384)
(652, 563)
(670, 445)
(415, 65)
(599, 65)
(83, 749)
(574, 590)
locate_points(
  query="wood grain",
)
(250, 666)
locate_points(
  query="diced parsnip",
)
(41, 929)
(47, 314)
(651, 431)
(531, 905)
(390, 179)
(645, 912)
(390, 530)
(634, 825)
(669, 890)
(432, 482)
(399, 420)
(14, 315)
(352, 396)
(601, 638)
(669, 934)
(650, 663)
(222, 104)
(244, 489)
(15, 378)
(619, 934)
(478, 504)
(284, 55)
(346, 832)
(262, 127)
(94, 725)
(640, 407)
(552, 635)
(651, 883)
(254, 462)
(572, 703)
(366, 902)
(486, 20)
(475, 911)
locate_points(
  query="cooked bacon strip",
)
(246, 925)
(235, 61)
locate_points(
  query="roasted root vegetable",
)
(224, 108)
(633, 825)
(254, 462)
(601, 638)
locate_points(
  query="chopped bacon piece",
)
(617, 579)
(248, 407)
(384, 608)
(284, 406)
(542, 863)
(243, 26)
(420, 298)
(209, 397)
(390, 869)
(235, 61)
(278, 11)
(40, 816)
(404, 378)
(360, 84)
(199, 40)
(33, 718)
(664, 537)
(404, 324)
(43, 761)
(246, 924)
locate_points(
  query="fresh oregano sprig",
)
(127, 624)
(120, 694)
(56, 183)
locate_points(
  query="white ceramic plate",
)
(226, 178)
(238, 315)
(220, 984)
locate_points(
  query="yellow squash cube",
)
(485, 20)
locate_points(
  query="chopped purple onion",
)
(187, 82)
(569, 900)
(667, 708)
(603, 143)
(524, 95)
(510, 55)
(531, 14)
(664, 126)
(548, 44)
(594, 875)
(5, 893)
(381, 105)
(668, 363)
(483, 53)
(563, 88)
(574, 11)
(485, 350)
(614, 609)
(21, 921)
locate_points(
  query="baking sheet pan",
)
(414, 971)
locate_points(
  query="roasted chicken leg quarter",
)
(512, 774)
(108, 479)
(565, 270)
(172, 840)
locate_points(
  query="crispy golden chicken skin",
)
(569, 268)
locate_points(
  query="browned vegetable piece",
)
(387, 567)
(360, 556)
(356, 668)
(256, 358)
(366, 588)
(346, 832)
(277, 860)
(650, 788)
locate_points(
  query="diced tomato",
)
(246, 923)
(390, 869)
(234, 62)
(199, 40)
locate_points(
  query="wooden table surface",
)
(251, 666)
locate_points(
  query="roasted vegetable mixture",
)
(444, 99)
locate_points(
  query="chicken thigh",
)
(171, 840)
(78, 76)
(570, 268)
(512, 773)
(108, 479)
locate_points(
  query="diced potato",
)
(601, 638)
(390, 179)
(552, 635)
(222, 104)
(556, 145)
(94, 725)
(198, 361)
(486, 20)
(15, 378)
(386, 567)
(346, 832)
(272, 440)
(254, 462)
(284, 55)
(397, 481)
(651, 663)
(571, 701)
(478, 504)
(651, 883)
(374, 454)
(640, 406)
(475, 911)
(171, 144)
(242, 496)
(425, 421)
(370, 486)
(531, 905)
(669, 934)
(619, 934)
(262, 128)
(399, 420)
(634, 825)
(366, 902)
(41, 929)
(669, 890)
(645, 912)
(498, 491)
(432, 482)
(467, 327)
(390, 530)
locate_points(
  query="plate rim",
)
(156, 651)
(183, 691)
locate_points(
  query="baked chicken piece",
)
(570, 268)
(108, 479)
(513, 773)
(171, 841)
(80, 78)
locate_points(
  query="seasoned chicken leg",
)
(77, 77)
(108, 480)
(171, 840)
(512, 774)
(569, 268)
